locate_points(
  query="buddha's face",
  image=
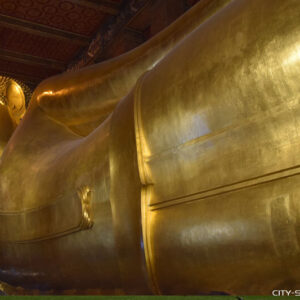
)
(12, 109)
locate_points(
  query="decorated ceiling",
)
(38, 38)
(41, 38)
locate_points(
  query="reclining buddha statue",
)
(172, 169)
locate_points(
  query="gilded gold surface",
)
(15, 101)
(12, 109)
(173, 169)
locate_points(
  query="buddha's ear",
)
(15, 100)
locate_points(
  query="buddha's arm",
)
(83, 99)
(79, 101)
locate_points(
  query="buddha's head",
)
(12, 109)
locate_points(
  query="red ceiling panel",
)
(36, 45)
(24, 69)
(55, 13)
(192, 2)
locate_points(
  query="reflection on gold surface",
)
(172, 169)
(84, 194)
(15, 101)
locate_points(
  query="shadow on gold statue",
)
(173, 169)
